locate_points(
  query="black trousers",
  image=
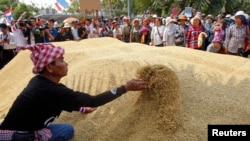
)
(6, 56)
(29, 136)
(241, 52)
(160, 45)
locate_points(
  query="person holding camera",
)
(7, 45)
(50, 32)
(36, 36)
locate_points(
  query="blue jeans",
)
(61, 132)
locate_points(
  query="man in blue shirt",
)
(50, 33)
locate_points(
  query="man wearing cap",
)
(152, 20)
(126, 28)
(203, 18)
(74, 31)
(44, 98)
(7, 45)
(82, 33)
(51, 32)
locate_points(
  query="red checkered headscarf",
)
(43, 54)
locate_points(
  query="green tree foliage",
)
(30, 10)
(18, 8)
(6, 4)
(74, 7)
(206, 6)
(115, 7)
(231, 6)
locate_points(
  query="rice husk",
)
(189, 90)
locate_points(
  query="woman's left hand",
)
(88, 110)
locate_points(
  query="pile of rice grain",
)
(189, 90)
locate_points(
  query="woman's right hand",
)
(136, 85)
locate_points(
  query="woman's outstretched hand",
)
(136, 85)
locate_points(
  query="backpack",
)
(179, 36)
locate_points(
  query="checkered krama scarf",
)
(43, 54)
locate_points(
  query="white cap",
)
(228, 15)
(154, 16)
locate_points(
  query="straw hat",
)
(210, 17)
(182, 17)
(135, 20)
(66, 25)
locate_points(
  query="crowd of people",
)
(227, 34)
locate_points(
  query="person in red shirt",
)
(193, 32)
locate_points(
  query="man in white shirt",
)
(74, 30)
(8, 45)
(17, 29)
(89, 27)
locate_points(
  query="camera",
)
(25, 22)
(44, 27)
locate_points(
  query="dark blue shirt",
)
(53, 32)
